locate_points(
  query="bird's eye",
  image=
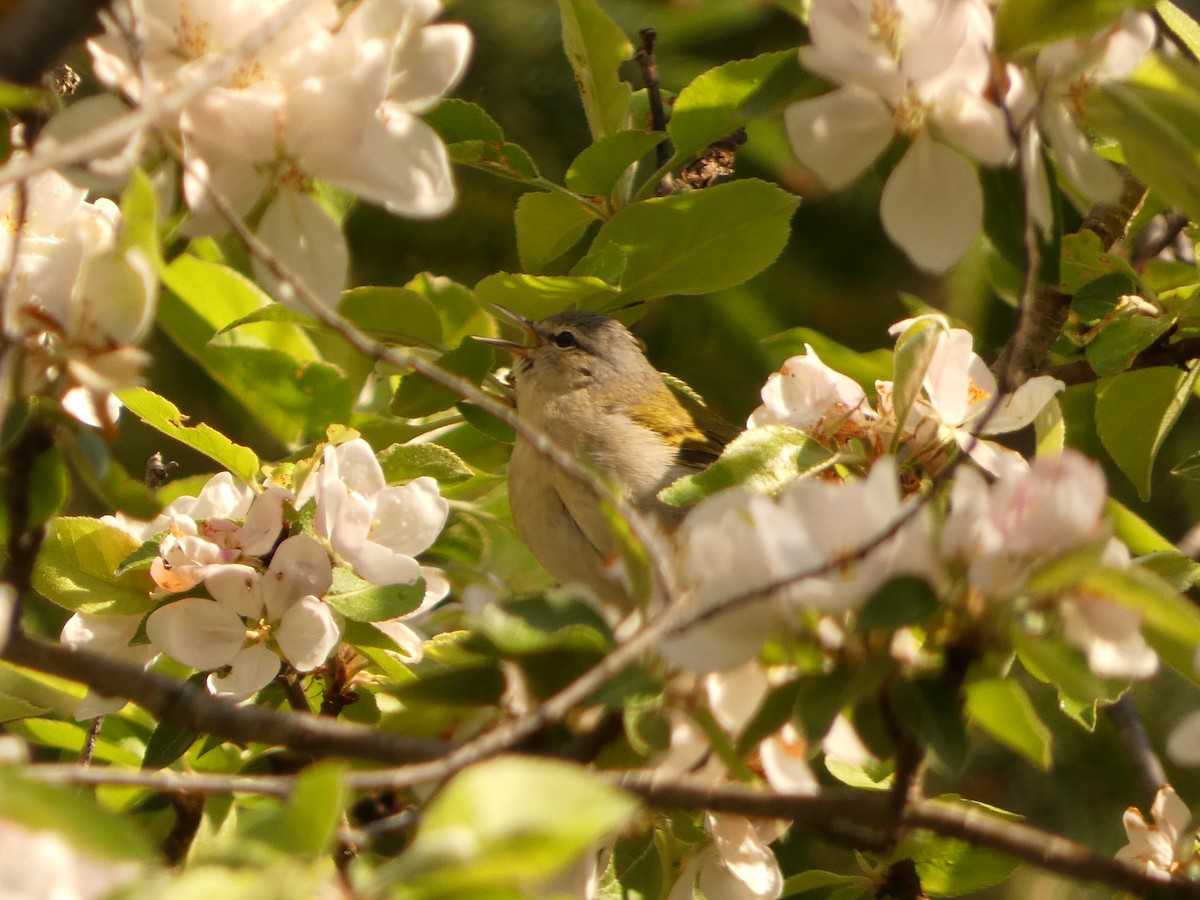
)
(565, 340)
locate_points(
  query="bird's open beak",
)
(517, 350)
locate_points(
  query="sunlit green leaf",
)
(548, 225)
(76, 565)
(596, 47)
(1023, 25)
(538, 296)
(597, 169)
(1134, 413)
(1001, 707)
(761, 459)
(305, 826)
(697, 242)
(161, 414)
(364, 601)
(403, 462)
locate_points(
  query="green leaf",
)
(454, 686)
(76, 564)
(554, 621)
(933, 710)
(364, 601)
(402, 463)
(1084, 260)
(1055, 662)
(139, 217)
(538, 296)
(638, 866)
(271, 368)
(13, 708)
(815, 878)
(761, 459)
(596, 171)
(1134, 413)
(509, 821)
(1001, 707)
(73, 814)
(1134, 531)
(394, 315)
(1180, 571)
(1026, 25)
(1159, 133)
(305, 826)
(948, 867)
(1050, 428)
(1113, 350)
(418, 396)
(596, 47)
(1183, 25)
(16, 96)
(914, 352)
(548, 225)
(455, 304)
(161, 414)
(167, 743)
(902, 601)
(697, 242)
(724, 98)
(1099, 297)
(457, 121)
(49, 486)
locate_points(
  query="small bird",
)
(586, 384)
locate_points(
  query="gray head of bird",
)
(574, 351)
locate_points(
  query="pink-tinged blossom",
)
(1161, 846)
(329, 98)
(78, 301)
(848, 534)
(1046, 101)
(958, 407)
(806, 394)
(110, 635)
(920, 69)
(203, 535)
(378, 530)
(253, 620)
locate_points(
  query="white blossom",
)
(958, 392)
(111, 635)
(1046, 100)
(331, 98)
(807, 394)
(1159, 847)
(39, 864)
(78, 301)
(738, 866)
(254, 619)
(916, 68)
(378, 530)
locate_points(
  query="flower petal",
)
(310, 245)
(932, 205)
(197, 632)
(307, 633)
(431, 64)
(839, 134)
(410, 517)
(250, 671)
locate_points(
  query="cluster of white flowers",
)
(925, 71)
(78, 299)
(824, 545)
(241, 618)
(333, 97)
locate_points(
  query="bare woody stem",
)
(1044, 311)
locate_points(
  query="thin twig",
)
(89, 741)
(658, 118)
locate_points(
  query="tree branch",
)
(1045, 313)
(175, 701)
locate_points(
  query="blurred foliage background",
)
(838, 276)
